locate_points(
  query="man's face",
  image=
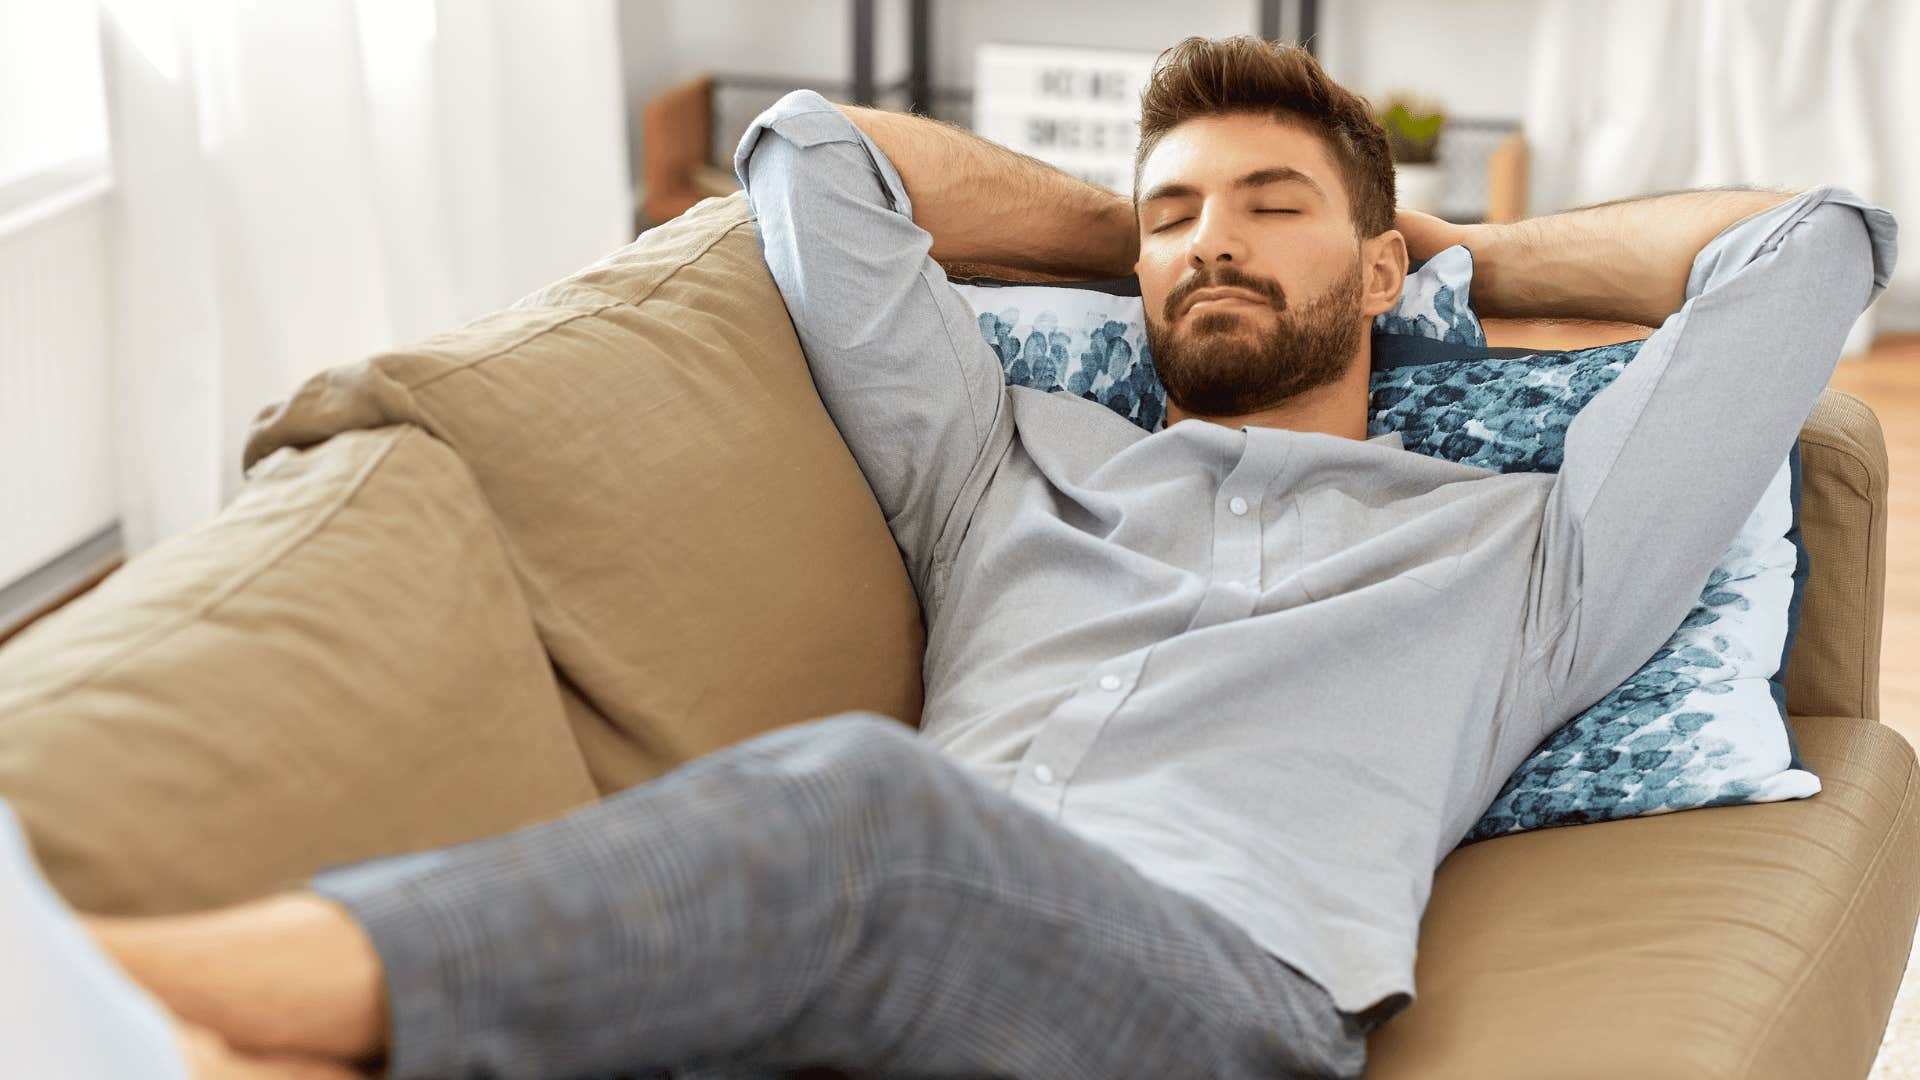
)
(1256, 207)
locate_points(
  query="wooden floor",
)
(1888, 380)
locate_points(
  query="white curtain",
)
(300, 183)
(1638, 96)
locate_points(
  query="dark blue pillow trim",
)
(1120, 286)
(1801, 566)
(1411, 350)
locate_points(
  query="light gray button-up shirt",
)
(1283, 672)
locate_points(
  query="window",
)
(52, 107)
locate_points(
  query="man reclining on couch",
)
(1205, 707)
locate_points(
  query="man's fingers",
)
(1425, 234)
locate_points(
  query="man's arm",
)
(1754, 294)
(1624, 261)
(894, 350)
(982, 202)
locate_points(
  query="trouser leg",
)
(832, 893)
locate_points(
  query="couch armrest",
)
(1835, 666)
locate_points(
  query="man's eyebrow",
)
(1277, 174)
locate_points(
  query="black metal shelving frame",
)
(863, 87)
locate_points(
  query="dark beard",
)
(1226, 367)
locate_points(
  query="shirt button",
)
(1043, 774)
(1109, 682)
(1238, 505)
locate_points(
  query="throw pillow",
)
(1090, 337)
(1087, 338)
(1703, 722)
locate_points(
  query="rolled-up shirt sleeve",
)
(894, 350)
(1663, 465)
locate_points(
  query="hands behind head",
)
(1427, 235)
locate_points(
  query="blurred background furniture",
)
(689, 129)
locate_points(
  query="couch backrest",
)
(701, 555)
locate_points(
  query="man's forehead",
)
(1224, 151)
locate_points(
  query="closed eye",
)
(1176, 221)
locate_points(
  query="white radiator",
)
(56, 468)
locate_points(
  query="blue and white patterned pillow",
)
(1434, 301)
(1088, 338)
(1702, 723)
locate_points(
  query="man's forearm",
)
(982, 202)
(1625, 261)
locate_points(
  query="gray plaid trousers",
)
(831, 894)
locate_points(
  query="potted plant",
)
(1413, 128)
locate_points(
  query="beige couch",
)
(480, 581)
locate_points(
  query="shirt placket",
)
(1233, 590)
(1055, 755)
(1233, 585)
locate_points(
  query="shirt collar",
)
(1389, 438)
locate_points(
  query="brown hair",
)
(1246, 74)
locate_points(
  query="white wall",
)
(1473, 55)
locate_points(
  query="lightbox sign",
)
(1076, 109)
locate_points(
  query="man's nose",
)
(1216, 238)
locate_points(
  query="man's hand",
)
(1427, 235)
(1624, 261)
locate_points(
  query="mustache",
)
(1223, 277)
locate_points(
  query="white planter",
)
(1420, 187)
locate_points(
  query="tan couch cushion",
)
(339, 665)
(703, 559)
(1753, 942)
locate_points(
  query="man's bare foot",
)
(288, 975)
(208, 1057)
(76, 1003)
(66, 1010)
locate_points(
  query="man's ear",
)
(1383, 271)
